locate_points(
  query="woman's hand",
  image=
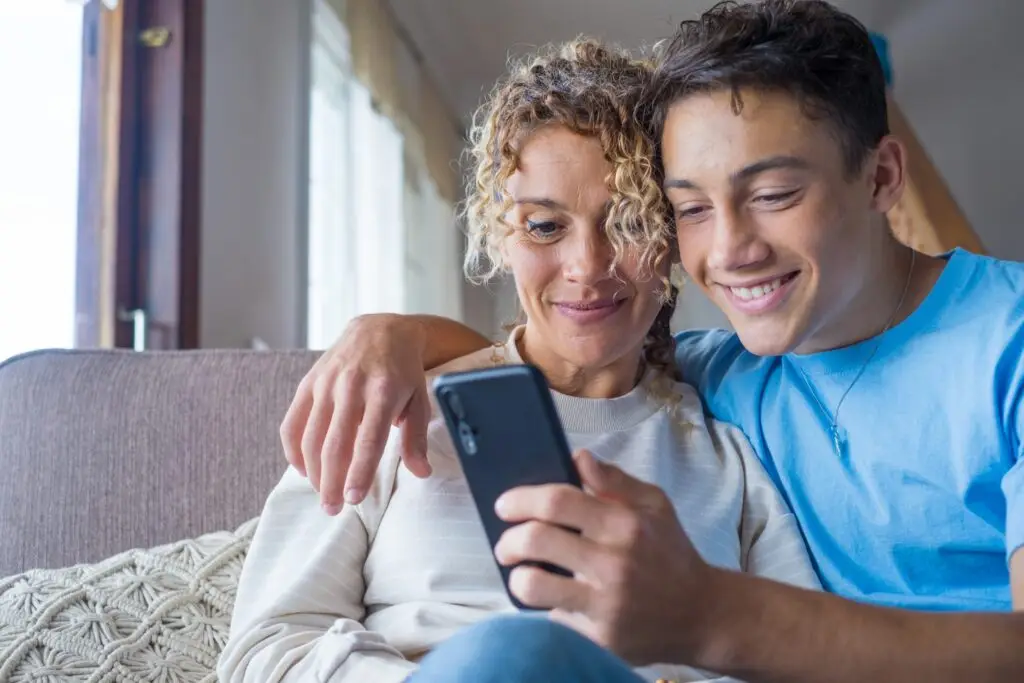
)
(639, 588)
(338, 423)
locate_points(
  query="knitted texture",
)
(160, 614)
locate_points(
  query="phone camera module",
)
(468, 438)
(455, 404)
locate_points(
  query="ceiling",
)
(465, 43)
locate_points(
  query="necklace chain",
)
(834, 417)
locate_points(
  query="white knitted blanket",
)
(156, 615)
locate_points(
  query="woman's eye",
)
(542, 229)
(690, 213)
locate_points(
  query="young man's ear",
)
(890, 173)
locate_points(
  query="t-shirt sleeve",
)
(714, 363)
(696, 353)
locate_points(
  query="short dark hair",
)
(807, 48)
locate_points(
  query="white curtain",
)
(377, 193)
(356, 243)
(330, 298)
(382, 237)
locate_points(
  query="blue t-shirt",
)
(926, 502)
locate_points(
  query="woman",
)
(565, 199)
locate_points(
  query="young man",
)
(881, 388)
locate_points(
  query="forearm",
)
(445, 340)
(765, 632)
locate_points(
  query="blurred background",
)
(253, 173)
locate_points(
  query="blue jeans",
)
(521, 649)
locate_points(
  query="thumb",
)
(414, 423)
(605, 480)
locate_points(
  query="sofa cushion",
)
(161, 614)
(102, 451)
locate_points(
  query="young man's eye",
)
(776, 197)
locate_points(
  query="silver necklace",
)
(837, 441)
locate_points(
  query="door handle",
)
(140, 326)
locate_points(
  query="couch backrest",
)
(103, 451)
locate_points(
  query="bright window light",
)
(40, 78)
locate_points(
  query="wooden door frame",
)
(140, 173)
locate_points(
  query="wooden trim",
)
(139, 174)
(168, 182)
(191, 173)
(99, 132)
(90, 192)
(927, 217)
(127, 292)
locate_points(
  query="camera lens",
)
(468, 438)
(456, 405)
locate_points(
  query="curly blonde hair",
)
(593, 90)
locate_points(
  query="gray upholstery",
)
(103, 451)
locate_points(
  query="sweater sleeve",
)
(771, 544)
(299, 606)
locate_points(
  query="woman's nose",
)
(587, 256)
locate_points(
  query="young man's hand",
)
(339, 421)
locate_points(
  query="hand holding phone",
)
(507, 433)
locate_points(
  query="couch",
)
(130, 487)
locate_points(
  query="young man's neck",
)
(901, 280)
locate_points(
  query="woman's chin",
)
(592, 356)
(588, 352)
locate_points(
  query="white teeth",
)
(756, 292)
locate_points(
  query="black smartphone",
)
(507, 433)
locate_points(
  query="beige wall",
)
(254, 165)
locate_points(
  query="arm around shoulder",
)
(298, 609)
(445, 339)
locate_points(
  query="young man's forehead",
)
(708, 130)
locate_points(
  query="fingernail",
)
(331, 509)
(353, 496)
(499, 506)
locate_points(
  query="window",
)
(38, 173)
(356, 222)
(381, 235)
(433, 262)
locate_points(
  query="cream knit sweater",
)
(362, 596)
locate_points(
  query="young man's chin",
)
(771, 332)
(764, 337)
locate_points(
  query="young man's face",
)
(771, 226)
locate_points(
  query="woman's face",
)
(580, 312)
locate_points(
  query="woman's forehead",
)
(562, 166)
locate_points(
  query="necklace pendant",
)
(836, 439)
